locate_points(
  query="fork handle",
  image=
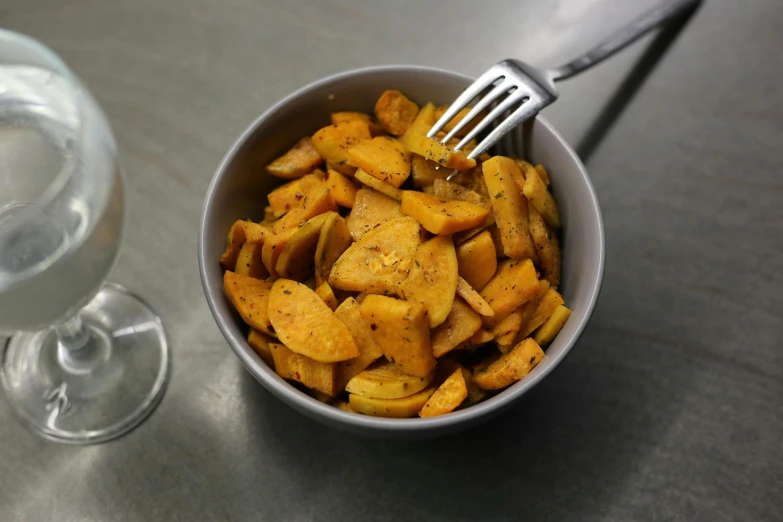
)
(619, 40)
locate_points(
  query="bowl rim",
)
(335, 416)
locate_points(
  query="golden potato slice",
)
(439, 215)
(433, 278)
(509, 206)
(506, 330)
(473, 298)
(424, 172)
(343, 405)
(326, 294)
(446, 189)
(370, 210)
(369, 351)
(249, 262)
(287, 196)
(401, 329)
(315, 375)
(546, 307)
(384, 158)
(394, 408)
(317, 201)
(552, 326)
(250, 297)
(269, 216)
(332, 143)
(510, 367)
(481, 337)
(260, 344)
(385, 380)
(378, 185)
(547, 246)
(341, 188)
(536, 192)
(439, 153)
(297, 259)
(333, 241)
(461, 324)
(473, 179)
(458, 118)
(395, 112)
(241, 232)
(342, 117)
(477, 259)
(529, 308)
(273, 247)
(542, 173)
(379, 261)
(301, 159)
(306, 325)
(514, 284)
(447, 397)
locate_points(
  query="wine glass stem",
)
(75, 351)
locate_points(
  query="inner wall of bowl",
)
(241, 187)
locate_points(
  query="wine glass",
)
(87, 361)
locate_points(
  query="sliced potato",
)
(514, 284)
(269, 216)
(477, 260)
(273, 247)
(287, 196)
(394, 408)
(458, 118)
(297, 259)
(250, 297)
(552, 326)
(324, 291)
(547, 246)
(395, 112)
(481, 337)
(341, 188)
(380, 186)
(509, 206)
(315, 375)
(242, 231)
(385, 380)
(473, 179)
(447, 397)
(542, 173)
(342, 117)
(306, 325)
(473, 298)
(369, 351)
(432, 280)
(249, 262)
(529, 308)
(332, 143)
(401, 329)
(546, 307)
(441, 216)
(384, 158)
(260, 344)
(370, 210)
(316, 202)
(510, 367)
(424, 172)
(461, 325)
(380, 260)
(535, 190)
(439, 153)
(449, 190)
(343, 405)
(301, 159)
(506, 330)
(333, 241)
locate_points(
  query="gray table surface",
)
(669, 408)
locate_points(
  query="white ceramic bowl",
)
(239, 188)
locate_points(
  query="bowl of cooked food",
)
(367, 291)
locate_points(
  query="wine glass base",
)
(113, 384)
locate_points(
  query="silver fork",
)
(514, 83)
